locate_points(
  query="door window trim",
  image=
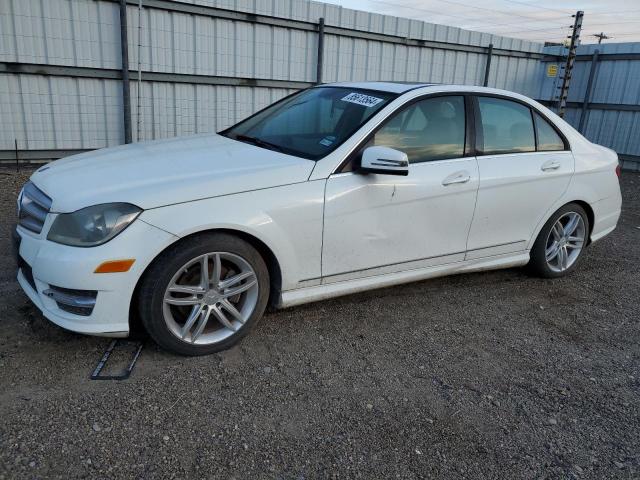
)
(479, 145)
(469, 122)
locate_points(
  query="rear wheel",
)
(561, 242)
(204, 294)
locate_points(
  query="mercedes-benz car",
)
(333, 190)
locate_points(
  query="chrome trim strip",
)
(30, 224)
(389, 166)
(407, 261)
(34, 210)
(400, 163)
(290, 298)
(33, 207)
(70, 300)
(496, 245)
(38, 196)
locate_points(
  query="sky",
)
(535, 20)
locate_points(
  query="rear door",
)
(524, 165)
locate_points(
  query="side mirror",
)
(384, 160)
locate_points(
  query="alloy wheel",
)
(565, 242)
(210, 298)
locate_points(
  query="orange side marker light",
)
(115, 266)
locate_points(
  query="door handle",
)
(550, 165)
(458, 177)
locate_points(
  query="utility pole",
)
(571, 58)
(600, 36)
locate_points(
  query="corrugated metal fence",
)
(207, 64)
(604, 98)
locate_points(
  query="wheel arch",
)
(590, 215)
(584, 204)
(273, 265)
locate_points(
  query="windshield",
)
(311, 123)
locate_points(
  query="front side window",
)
(430, 129)
(311, 123)
(548, 138)
(507, 127)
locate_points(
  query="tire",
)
(192, 313)
(568, 248)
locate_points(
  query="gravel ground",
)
(488, 375)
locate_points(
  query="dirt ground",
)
(488, 375)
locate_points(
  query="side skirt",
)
(299, 296)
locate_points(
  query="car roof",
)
(392, 87)
(404, 87)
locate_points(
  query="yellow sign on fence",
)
(552, 70)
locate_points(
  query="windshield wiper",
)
(259, 142)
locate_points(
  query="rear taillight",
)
(618, 170)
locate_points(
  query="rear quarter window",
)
(548, 138)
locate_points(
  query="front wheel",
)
(560, 243)
(204, 294)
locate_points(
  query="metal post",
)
(126, 93)
(587, 93)
(320, 50)
(138, 106)
(487, 67)
(571, 58)
(17, 159)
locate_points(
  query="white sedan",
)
(332, 190)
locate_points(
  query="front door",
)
(377, 223)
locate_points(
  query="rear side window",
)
(429, 129)
(507, 127)
(548, 138)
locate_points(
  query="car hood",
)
(164, 172)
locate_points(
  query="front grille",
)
(78, 302)
(33, 208)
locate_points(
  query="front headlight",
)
(94, 225)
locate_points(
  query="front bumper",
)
(46, 268)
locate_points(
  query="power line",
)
(523, 31)
(556, 27)
(452, 2)
(536, 30)
(397, 5)
(626, 34)
(592, 25)
(612, 24)
(621, 12)
(559, 38)
(600, 36)
(532, 5)
(511, 24)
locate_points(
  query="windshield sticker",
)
(360, 99)
(327, 141)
